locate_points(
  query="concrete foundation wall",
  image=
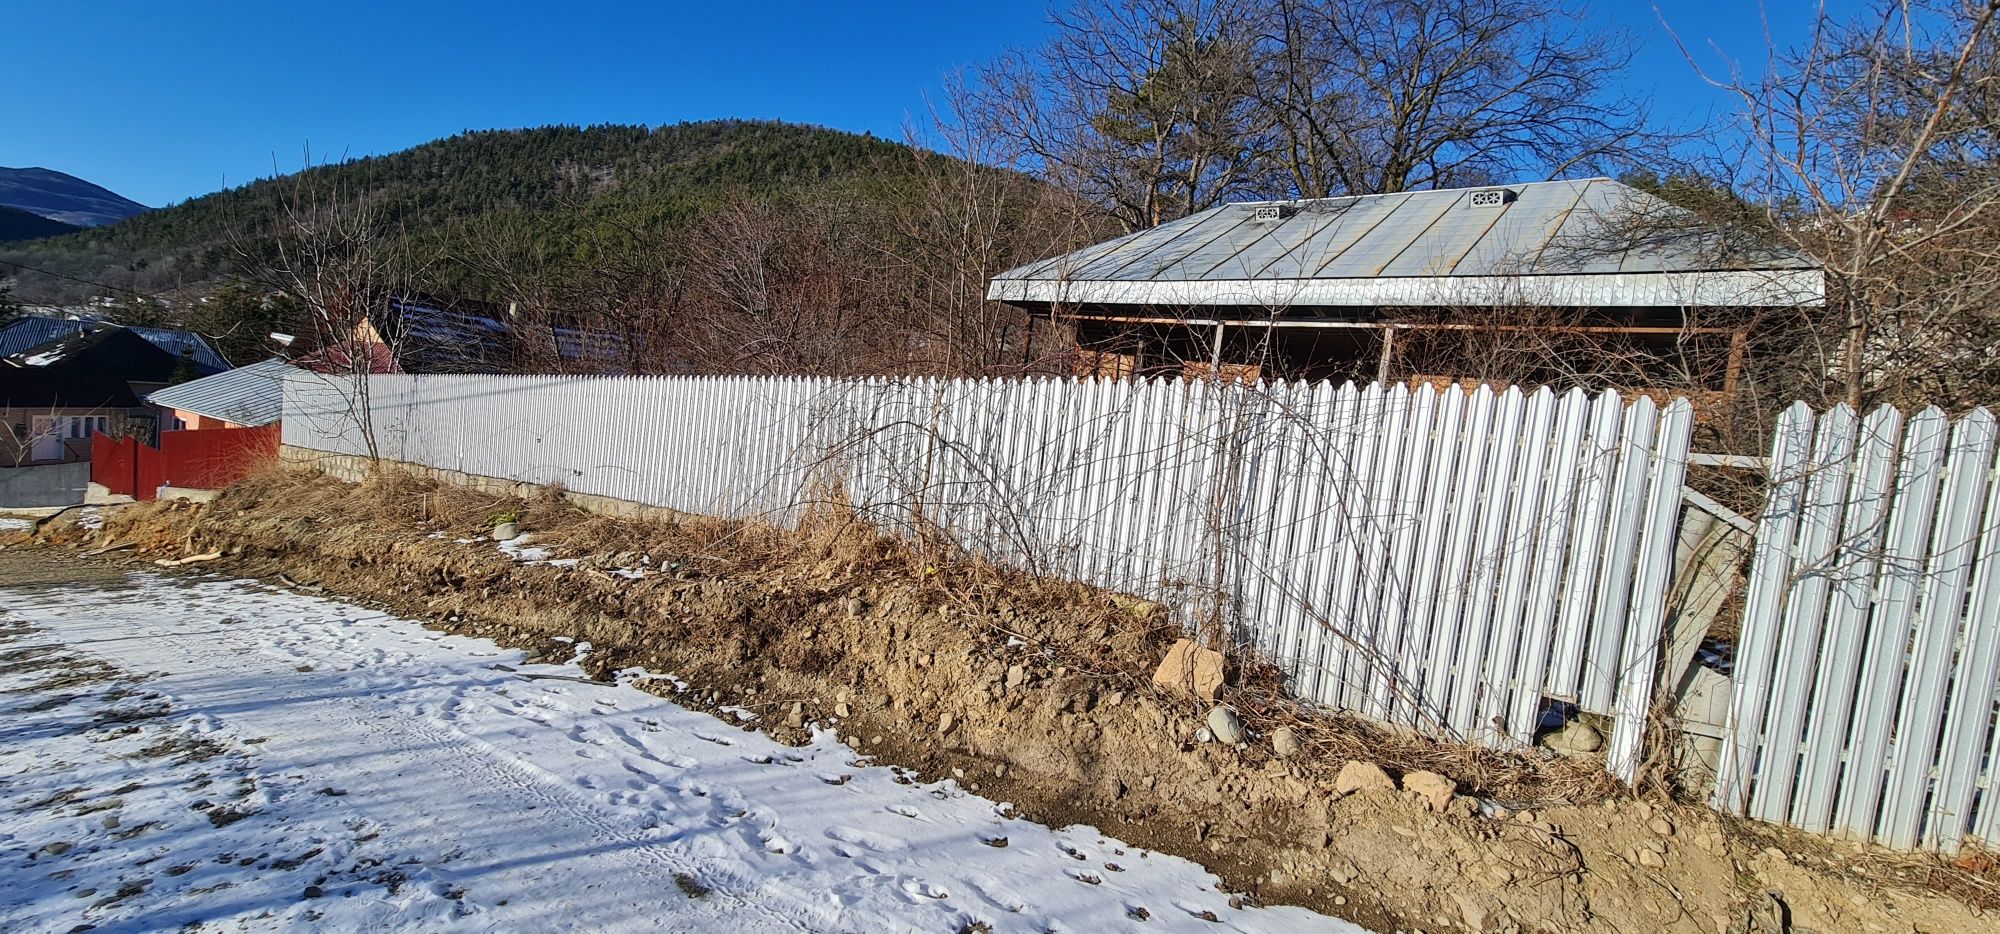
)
(354, 469)
(45, 485)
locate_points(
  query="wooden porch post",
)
(1739, 341)
(1388, 353)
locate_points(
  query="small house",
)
(1391, 287)
(54, 395)
(246, 397)
(426, 335)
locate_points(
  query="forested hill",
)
(543, 182)
(16, 224)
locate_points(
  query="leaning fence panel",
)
(1870, 649)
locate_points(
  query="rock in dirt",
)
(944, 722)
(1435, 789)
(1225, 726)
(1191, 669)
(1574, 739)
(1361, 776)
(1141, 609)
(1285, 742)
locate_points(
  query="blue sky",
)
(166, 101)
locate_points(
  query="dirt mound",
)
(1038, 692)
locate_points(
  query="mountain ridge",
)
(62, 197)
(16, 224)
(549, 181)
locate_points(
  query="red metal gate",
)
(202, 459)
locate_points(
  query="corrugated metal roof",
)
(31, 331)
(251, 395)
(1593, 240)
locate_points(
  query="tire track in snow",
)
(516, 790)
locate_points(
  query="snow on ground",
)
(219, 752)
(16, 523)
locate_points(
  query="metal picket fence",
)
(1866, 673)
(1453, 560)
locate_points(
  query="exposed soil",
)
(1038, 692)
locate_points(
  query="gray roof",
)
(1588, 242)
(251, 395)
(30, 331)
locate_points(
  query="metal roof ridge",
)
(1417, 191)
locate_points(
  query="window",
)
(80, 426)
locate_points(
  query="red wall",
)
(205, 459)
(212, 458)
(113, 462)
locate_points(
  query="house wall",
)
(183, 420)
(18, 427)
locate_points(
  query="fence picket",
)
(1946, 575)
(1640, 656)
(1763, 606)
(1918, 473)
(1818, 527)
(1551, 560)
(1599, 463)
(1970, 714)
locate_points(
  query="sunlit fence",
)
(1866, 676)
(1456, 561)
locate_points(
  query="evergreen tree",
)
(8, 309)
(184, 370)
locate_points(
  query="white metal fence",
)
(1870, 648)
(1450, 560)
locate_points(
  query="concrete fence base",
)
(45, 485)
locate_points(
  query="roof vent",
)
(1490, 197)
(1273, 212)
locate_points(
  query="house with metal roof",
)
(54, 396)
(427, 335)
(1329, 287)
(245, 397)
(30, 331)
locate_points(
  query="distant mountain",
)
(16, 224)
(65, 198)
(545, 183)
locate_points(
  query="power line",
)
(101, 285)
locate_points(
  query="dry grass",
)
(1972, 877)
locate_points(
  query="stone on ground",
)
(1435, 789)
(1225, 725)
(1285, 742)
(1361, 776)
(1191, 669)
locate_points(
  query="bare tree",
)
(789, 286)
(625, 289)
(959, 222)
(1156, 109)
(1391, 95)
(1872, 145)
(333, 255)
(1146, 107)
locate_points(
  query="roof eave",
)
(1712, 289)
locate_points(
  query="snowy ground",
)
(224, 753)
